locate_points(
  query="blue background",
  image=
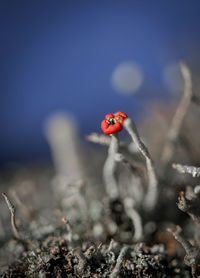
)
(59, 55)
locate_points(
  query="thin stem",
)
(192, 257)
(135, 218)
(12, 212)
(179, 115)
(152, 190)
(190, 206)
(110, 167)
(177, 233)
(101, 139)
(66, 221)
(120, 258)
(194, 171)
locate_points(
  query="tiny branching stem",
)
(68, 226)
(192, 257)
(183, 169)
(81, 261)
(110, 167)
(152, 190)
(101, 139)
(116, 270)
(135, 218)
(12, 213)
(179, 115)
(111, 244)
(190, 205)
(177, 233)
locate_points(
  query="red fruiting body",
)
(122, 114)
(109, 116)
(110, 128)
(65, 220)
(113, 122)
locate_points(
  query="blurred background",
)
(88, 58)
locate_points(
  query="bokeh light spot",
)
(127, 78)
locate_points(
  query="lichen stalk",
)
(152, 189)
(177, 233)
(135, 218)
(179, 115)
(12, 216)
(185, 169)
(192, 258)
(110, 167)
(120, 258)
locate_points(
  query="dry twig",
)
(190, 205)
(120, 258)
(12, 212)
(179, 115)
(192, 257)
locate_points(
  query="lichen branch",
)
(120, 258)
(194, 171)
(135, 218)
(110, 167)
(152, 190)
(178, 235)
(12, 213)
(192, 257)
(66, 221)
(190, 206)
(179, 115)
(100, 139)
